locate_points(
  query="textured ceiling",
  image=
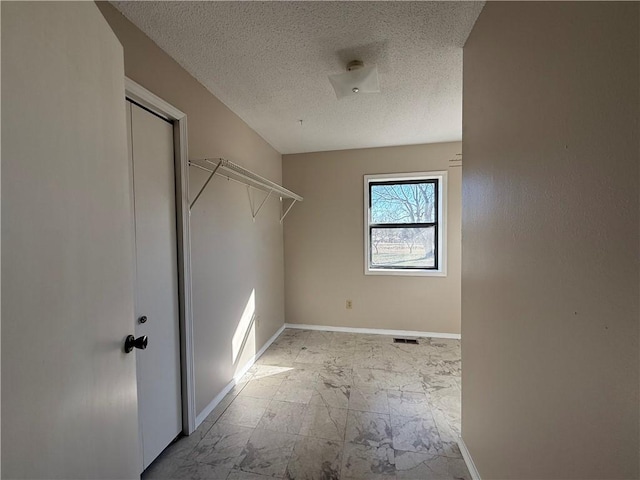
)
(269, 61)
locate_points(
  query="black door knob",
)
(132, 342)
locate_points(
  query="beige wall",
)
(550, 241)
(324, 242)
(231, 255)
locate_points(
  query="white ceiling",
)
(269, 61)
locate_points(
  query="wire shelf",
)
(235, 172)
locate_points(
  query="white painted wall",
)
(550, 240)
(234, 260)
(69, 403)
(324, 244)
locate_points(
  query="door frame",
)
(144, 97)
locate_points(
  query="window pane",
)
(403, 203)
(403, 247)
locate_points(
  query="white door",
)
(157, 317)
(69, 404)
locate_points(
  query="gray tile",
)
(373, 429)
(245, 411)
(368, 400)
(408, 404)
(370, 357)
(201, 471)
(435, 384)
(368, 378)
(319, 338)
(324, 422)
(416, 434)
(402, 357)
(342, 346)
(336, 375)
(448, 406)
(449, 435)
(339, 359)
(387, 380)
(219, 409)
(278, 356)
(267, 453)
(366, 462)
(370, 339)
(237, 388)
(403, 381)
(222, 445)
(313, 355)
(162, 468)
(269, 371)
(294, 391)
(400, 365)
(444, 343)
(291, 338)
(421, 466)
(240, 475)
(447, 354)
(303, 372)
(344, 340)
(174, 455)
(440, 366)
(458, 469)
(410, 351)
(283, 417)
(262, 387)
(333, 394)
(315, 459)
(458, 382)
(330, 395)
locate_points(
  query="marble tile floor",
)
(330, 406)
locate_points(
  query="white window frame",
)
(441, 176)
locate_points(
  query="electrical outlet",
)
(349, 304)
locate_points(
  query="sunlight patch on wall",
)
(245, 327)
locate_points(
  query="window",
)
(404, 224)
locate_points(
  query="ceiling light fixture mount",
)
(357, 80)
(355, 65)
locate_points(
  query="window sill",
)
(405, 273)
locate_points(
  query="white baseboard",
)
(374, 331)
(214, 403)
(234, 381)
(473, 471)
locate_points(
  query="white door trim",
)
(144, 97)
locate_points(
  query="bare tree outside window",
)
(403, 224)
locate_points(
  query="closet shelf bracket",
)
(211, 174)
(254, 212)
(293, 201)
